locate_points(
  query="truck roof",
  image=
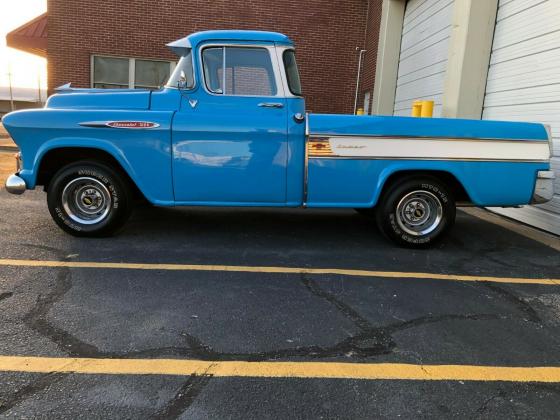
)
(193, 40)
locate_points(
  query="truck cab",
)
(240, 126)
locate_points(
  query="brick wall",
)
(326, 34)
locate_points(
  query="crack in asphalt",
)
(486, 403)
(370, 341)
(44, 382)
(6, 295)
(183, 399)
(522, 305)
(37, 321)
(505, 395)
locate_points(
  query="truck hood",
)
(71, 98)
(388, 126)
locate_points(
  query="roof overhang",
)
(31, 37)
(181, 46)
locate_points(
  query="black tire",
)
(416, 212)
(89, 199)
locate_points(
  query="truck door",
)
(230, 135)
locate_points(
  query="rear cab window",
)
(292, 72)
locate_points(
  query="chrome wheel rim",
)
(419, 213)
(86, 200)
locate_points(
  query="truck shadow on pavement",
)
(322, 237)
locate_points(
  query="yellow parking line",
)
(280, 270)
(327, 370)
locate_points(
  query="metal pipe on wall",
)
(358, 78)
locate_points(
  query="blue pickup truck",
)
(230, 128)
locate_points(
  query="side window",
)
(239, 71)
(213, 59)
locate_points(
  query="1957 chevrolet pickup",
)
(230, 129)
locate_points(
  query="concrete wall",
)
(467, 67)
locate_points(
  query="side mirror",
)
(182, 83)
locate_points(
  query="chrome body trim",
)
(326, 137)
(306, 161)
(15, 185)
(271, 105)
(544, 187)
(144, 125)
(426, 158)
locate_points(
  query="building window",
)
(121, 73)
(239, 71)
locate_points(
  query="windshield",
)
(183, 73)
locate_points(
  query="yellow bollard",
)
(360, 111)
(417, 108)
(427, 109)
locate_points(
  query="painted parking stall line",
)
(275, 270)
(305, 370)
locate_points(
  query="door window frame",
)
(271, 49)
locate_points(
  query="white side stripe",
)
(432, 148)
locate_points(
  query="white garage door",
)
(424, 48)
(524, 84)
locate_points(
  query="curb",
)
(545, 238)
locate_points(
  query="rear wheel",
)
(416, 212)
(89, 199)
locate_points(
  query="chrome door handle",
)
(271, 105)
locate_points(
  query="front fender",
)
(145, 154)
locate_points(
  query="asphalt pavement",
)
(204, 310)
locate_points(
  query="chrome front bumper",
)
(544, 187)
(15, 185)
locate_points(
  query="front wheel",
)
(416, 212)
(89, 199)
